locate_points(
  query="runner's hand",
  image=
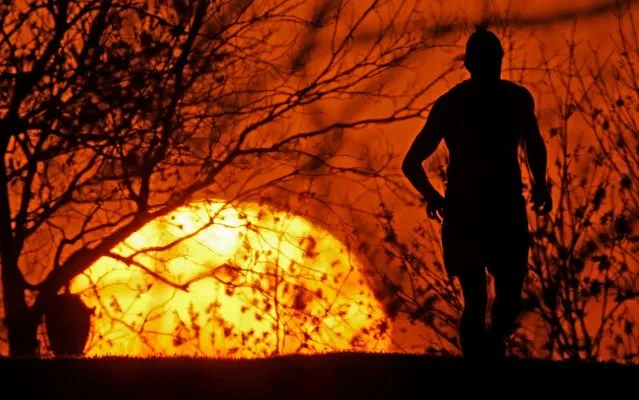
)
(542, 202)
(435, 207)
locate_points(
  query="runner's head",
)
(484, 54)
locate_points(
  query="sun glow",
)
(243, 281)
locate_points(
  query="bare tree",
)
(115, 113)
(585, 260)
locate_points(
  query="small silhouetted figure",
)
(483, 121)
(68, 323)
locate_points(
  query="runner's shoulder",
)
(518, 92)
(454, 94)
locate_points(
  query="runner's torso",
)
(482, 133)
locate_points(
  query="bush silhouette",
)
(68, 323)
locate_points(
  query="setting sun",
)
(241, 280)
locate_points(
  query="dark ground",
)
(335, 376)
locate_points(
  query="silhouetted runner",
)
(483, 121)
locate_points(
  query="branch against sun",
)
(115, 114)
(256, 282)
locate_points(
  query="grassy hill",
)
(333, 376)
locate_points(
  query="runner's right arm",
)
(423, 147)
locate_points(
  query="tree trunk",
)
(22, 328)
(21, 323)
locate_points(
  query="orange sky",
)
(596, 31)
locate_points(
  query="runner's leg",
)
(472, 327)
